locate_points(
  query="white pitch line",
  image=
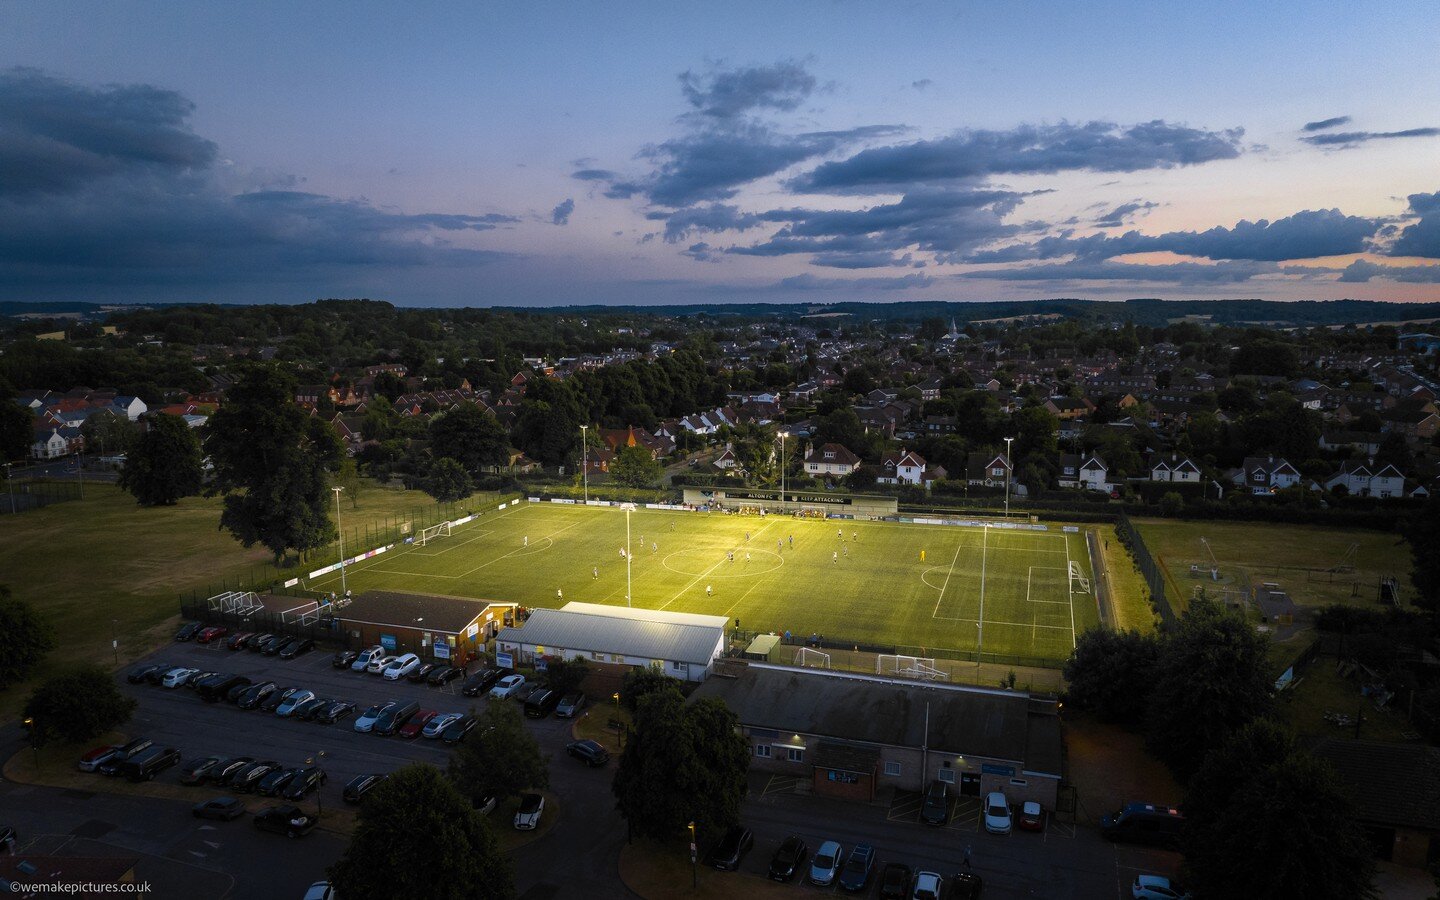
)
(959, 545)
(1070, 592)
(706, 572)
(998, 622)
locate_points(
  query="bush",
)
(78, 706)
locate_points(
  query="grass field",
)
(1298, 557)
(869, 586)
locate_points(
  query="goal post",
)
(433, 532)
(812, 659)
(1078, 581)
(908, 667)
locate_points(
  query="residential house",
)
(1064, 408)
(1174, 468)
(1363, 442)
(727, 461)
(1266, 474)
(830, 460)
(908, 467)
(49, 444)
(1088, 472)
(930, 389)
(987, 469)
(1365, 479)
(935, 425)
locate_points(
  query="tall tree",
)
(471, 436)
(109, 432)
(16, 424)
(1110, 672)
(1422, 530)
(271, 464)
(25, 638)
(448, 481)
(1251, 752)
(417, 836)
(166, 464)
(78, 706)
(501, 758)
(566, 675)
(634, 466)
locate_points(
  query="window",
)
(998, 471)
(947, 776)
(795, 754)
(762, 751)
(892, 768)
(678, 666)
(1019, 782)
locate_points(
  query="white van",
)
(365, 657)
(402, 666)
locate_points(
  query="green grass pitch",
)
(849, 580)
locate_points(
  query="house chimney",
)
(1272, 457)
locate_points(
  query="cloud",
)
(1361, 271)
(701, 252)
(1120, 215)
(922, 84)
(861, 259)
(712, 217)
(594, 175)
(1025, 150)
(1346, 139)
(560, 215)
(1091, 270)
(808, 282)
(1421, 238)
(1324, 124)
(729, 94)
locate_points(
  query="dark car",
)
(308, 710)
(858, 867)
(145, 766)
(226, 767)
(416, 724)
(216, 687)
(334, 711)
(527, 690)
(194, 680)
(188, 631)
(731, 849)
(542, 703)
(271, 785)
(343, 658)
(221, 808)
(589, 752)
(237, 640)
(936, 809)
(156, 674)
(248, 778)
(277, 698)
(455, 732)
(444, 675)
(895, 882)
(422, 672)
(296, 648)
(254, 641)
(483, 680)
(570, 705)
(360, 785)
(965, 886)
(195, 771)
(305, 781)
(137, 674)
(256, 694)
(286, 820)
(237, 691)
(393, 719)
(128, 752)
(274, 644)
(789, 858)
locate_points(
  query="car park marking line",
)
(780, 784)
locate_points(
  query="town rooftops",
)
(648, 633)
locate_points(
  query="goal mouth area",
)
(434, 531)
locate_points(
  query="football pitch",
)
(860, 581)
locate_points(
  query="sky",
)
(539, 154)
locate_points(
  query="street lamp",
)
(694, 869)
(10, 488)
(341, 532)
(34, 740)
(319, 799)
(585, 462)
(628, 507)
(783, 436)
(1009, 473)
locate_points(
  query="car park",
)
(188, 631)
(334, 711)
(366, 657)
(859, 865)
(237, 640)
(271, 785)
(343, 658)
(483, 680)
(288, 706)
(527, 816)
(421, 672)
(1032, 817)
(297, 647)
(305, 781)
(444, 675)
(359, 786)
(825, 864)
(145, 766)
(894, 881)
(401, 666)
(221, 771)
(366, 721)
(256, 694)
(542, 703)
(570, 705)
(236, 692)
(379, 664)
(1156, 887)
(257, 640)
(592, 753)
(936, 808)
(997, 813)
(507, 686)
(177, 677)
(195, 771)
(222, 809)
(156, 674)
(214, 632)
(97, 757)
(416, 724)
(436, 726)
(272, 702)
(286, 820)
(788, 858)
(248, 778)
(111, 766)
(198, 677)
(731, 849)
(526, 691)
(928, 886)
(272, 645)
(455, 732)
(965, 886)
(306, 711)
(393, 719)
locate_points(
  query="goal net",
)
(433, 532)
(908, 667)
(1078, 582)
(812, 659)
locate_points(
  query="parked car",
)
(361, 785)
(455, 732)
(272, 645)
(248, 778)
(570, 705)
(177, 677)
(507, 686)
(92, 760)
(526, 691)
(344, 658)
(966, 886)
(367, 719)
(483, 680)
(111, 766)
(731, 849)
(206, 635)
(220, 808)
(304, 782)
(416, 724)
(335, 711)
(188, 631)
(936, 808)
(137, 674)
(436, 726)
(156, 674)
(237, 691)
(591, 753)
(484, 804)
(195, 771)
(255, 641)
(145, 766)
(297, 647)
(401, 666)
(394, 719)
(256, 694)
(198, 677)
(1032, 817)
(527, 817)
(928, 886)
(379, 664)
(826, 864)
(272, 702)
(226, 767)
(1144, 823)
(997, 813)
(444, 675)
(271, 785)
(788, 859)
(288, 705)
(237, 640)
(307, 710)
(859, 865)
(362, 662)
(218, 687)
(894, 881)
(421, 672)
(286, 820)
(320, 890)
(1156, 887)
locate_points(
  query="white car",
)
(176, 677)
(320, 890)
(436, 726)
(825, 864)
(507, 686)
(366, 657)
(928, 886)
(379, 664)
(288, 705)
(997, 813)
(372, 715)
(527, 817)
(401, 666)
(1156, 887)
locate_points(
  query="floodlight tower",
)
(585, 462)
(629, 508)
(1009, 474)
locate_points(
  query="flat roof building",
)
(434, 626)
(683, 645)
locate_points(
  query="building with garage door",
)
(435, 627)
(682, 645)
(852, 735)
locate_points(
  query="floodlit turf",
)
(867, 584)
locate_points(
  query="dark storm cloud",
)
(861, 259)
(1121, 214)
(56, 136)
(712, 217)
(1025, 150)
(1345, 139)
(560, 215)
(808, 282)
(1099, 270)
(1422, 237)
(1325, 124)
(594, 175)
(1361, 271)
(728, 94)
